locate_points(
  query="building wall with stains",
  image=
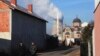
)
(28, 29)
(97, 30)
(19, 27)
(5, 32)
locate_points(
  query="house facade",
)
(20, 25)
(72, 33)
(96, 38)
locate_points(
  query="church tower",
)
(76, 27)
(76, 22)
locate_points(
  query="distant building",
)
(68, 35)
(20, 25)
(67, 32)
(76, 28)
(72, 32)
(76, 23)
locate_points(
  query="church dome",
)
(77, 20)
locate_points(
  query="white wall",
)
(96, 3)
(5, 37)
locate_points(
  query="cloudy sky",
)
(67, 8)
(72, 8)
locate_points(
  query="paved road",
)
(75, 52)
(60, 52)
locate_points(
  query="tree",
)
(86, 45)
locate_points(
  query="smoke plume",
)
(46, 9)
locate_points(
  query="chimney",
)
(30, 8)
(14, 2)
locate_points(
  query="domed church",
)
(76, 22)
(74, 32)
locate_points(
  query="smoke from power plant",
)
(46, 9)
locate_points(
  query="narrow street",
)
(74, 51)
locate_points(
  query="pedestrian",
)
(33, 49)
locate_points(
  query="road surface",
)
(74, 51)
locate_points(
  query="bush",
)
(51, 40)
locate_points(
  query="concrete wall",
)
(28, 29)
(97, 31)
(5, 36)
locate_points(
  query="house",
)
(68, 36)
(20, 25)
(96, 38)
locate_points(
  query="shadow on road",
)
(60, 48)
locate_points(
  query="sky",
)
(70, 10)
(75, 8)
(83, 9)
